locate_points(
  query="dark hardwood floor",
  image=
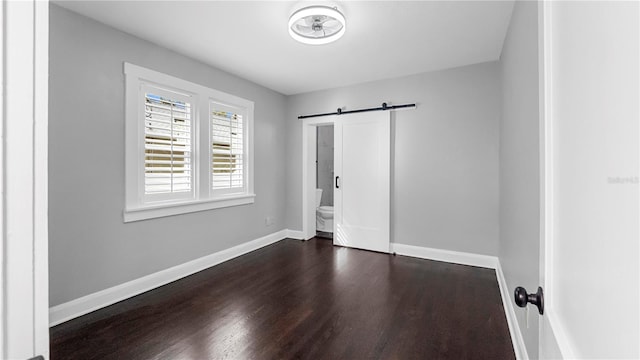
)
(309, 300)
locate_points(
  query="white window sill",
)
(162, 210)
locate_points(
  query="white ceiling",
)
(384, 39)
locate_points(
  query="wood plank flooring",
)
(309, 300)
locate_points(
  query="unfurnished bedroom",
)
(320, 180)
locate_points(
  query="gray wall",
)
(519, 161)
(324, 156)
(445, 172)
(90, 247)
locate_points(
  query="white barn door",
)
(362, 194)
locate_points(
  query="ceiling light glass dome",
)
(317, 25)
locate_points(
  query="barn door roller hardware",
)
(339, 111)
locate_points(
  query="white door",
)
(590, 251)
(362, 182)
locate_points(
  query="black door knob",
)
(537, 299)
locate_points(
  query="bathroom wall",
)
(325, 164)
(445, 157)
(90, 248)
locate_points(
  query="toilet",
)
(324, 215)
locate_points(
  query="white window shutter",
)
(167, 145)
(227, 149)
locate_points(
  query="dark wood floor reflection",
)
(307, 300)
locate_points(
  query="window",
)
(188, 147)
(167, 146)
(227, 149)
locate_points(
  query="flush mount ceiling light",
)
(317, 25)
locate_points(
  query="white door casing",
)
(590, 167)
(24, 313)
(362, 197)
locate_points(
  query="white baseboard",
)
(295, 234)
(514, 329)
(455, 257)
(86, 304)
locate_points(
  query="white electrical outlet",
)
(268, 221)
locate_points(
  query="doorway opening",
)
(324, 181)
(309, 176)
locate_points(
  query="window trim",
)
(204, 199)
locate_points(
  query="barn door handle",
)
(537, 299)
(337, 186)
